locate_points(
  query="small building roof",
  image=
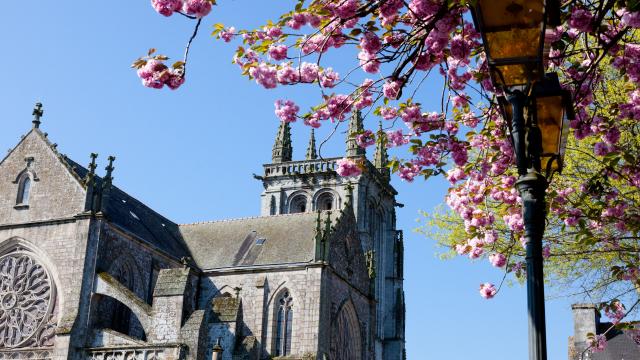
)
(267, 240)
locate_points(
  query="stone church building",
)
(89, 272)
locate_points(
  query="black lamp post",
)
(536, 108)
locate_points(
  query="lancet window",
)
(284, 325)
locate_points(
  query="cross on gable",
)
(37, 114)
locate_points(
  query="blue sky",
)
(190, 153)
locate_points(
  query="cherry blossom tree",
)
(394, 46)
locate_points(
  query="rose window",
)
(26, 296)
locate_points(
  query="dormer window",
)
(24, 189)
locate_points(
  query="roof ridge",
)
(249, 217)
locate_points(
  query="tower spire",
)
(312, 154)
(381, 158)
(37, 114)
(282, 148)
(355, 127)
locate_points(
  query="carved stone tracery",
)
(27, 299)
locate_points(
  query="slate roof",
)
(279, 239)
(620, 345)
(135, 217)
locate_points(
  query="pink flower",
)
(615, 311)
(396, 138)
(598, 343)
(347, 167)
(338, 106)
(197, 8)
(287, 75)
(488, 290)
(631, 19)
(365, 139)
(456, 174)
(227, 35)
(602, 149)
(278, 52)
(370, 43)
(475, 252)
(581, 20)
(368, 62)
(308, 72)
(265, 75)
(273, 32)
(546, 252)
(388, 113)
(391, 89)
(498, 260)
(175, 80)
(166, 7)
(286, 110)
(328, 78)
(154, 74)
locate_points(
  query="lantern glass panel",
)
(551, 119)
(508, 14)
(512, 75)
(513, 43)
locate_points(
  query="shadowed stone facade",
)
(89, 272)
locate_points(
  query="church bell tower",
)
(312, 185)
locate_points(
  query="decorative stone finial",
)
(109, 176)
(282, 148)
(381, 158)
(355, 127)
(93, 196)
(312, 154)
(37, 114)
(92, 165)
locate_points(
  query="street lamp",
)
(536, 109)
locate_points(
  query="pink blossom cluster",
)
(598, 343)
(299, 20)
(227, 34)
(365, 139)
(343, 9)
(615, 311)
(498, 260)
(347, 167)
(629, 18)
(286, 110)
(396, 138)
(488, 290)
(408, 172)
(631, 109)
(581, 20)
(270, 76)
(155, 74)
(197, 8)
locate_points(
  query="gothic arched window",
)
(325, 202)
(23, 190)
(284, 325)
(298, 204)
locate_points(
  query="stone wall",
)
(338, 294)
(61, 247)
(258, 290)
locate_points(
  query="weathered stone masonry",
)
(89, 272)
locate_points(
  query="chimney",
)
(586, 318)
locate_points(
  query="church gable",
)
(36, 184)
